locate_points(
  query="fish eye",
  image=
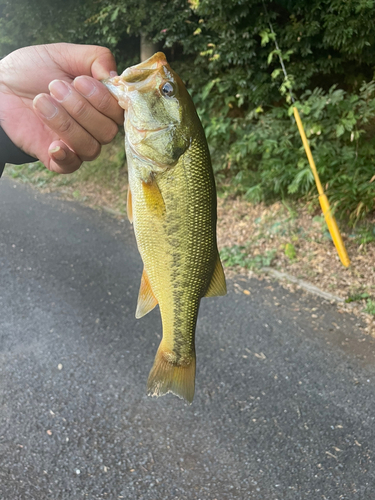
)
(167, 89)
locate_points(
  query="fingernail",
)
(85, 86)
(59, 90)
(113, 73)
(58, 153)
(45, 106)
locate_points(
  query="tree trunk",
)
(148, 48)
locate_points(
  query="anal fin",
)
(146, 298)
(217, 286)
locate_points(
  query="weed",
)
(365, 234)
(319, 219)
(290, 251)
(356, 297)
(234, 256)
(292, 211)
(370, 307)
(259, 261)
(238, 256)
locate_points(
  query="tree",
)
(223, 50)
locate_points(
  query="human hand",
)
(70, 125)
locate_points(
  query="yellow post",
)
(326, 209)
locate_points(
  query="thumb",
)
(77, 60)
(103, 64)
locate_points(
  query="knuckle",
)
(65, 126)
(67, 166)
(105, 103)
(92, 152)
(80, 109)
(71, 167)
(109, 133)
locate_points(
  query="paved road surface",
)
(285, 400)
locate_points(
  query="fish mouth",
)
(140, 77)
(142, 71)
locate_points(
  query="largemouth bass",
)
(172, 204)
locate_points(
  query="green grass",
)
(370, 307)
(356, 297)
(238, 256)
(365, 234)
(290, 251)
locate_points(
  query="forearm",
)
(10, 153)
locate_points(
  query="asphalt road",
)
(284, 406)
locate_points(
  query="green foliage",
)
(357, 297)
(31, 22)
(238, 256)
(370, 307)
(268, 161)
(323, 41)
(365, 234)
(290, 251)
(225, 52)
(369, 304)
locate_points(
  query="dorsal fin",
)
(146, 298)
(217, 285)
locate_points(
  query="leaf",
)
(265, 37)
(271, 54)
(207, 88)
(115, 14)
(340, 130)
(290, 251)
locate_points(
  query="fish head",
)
(160, 117)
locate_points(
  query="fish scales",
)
(184, 243)
(172, 204)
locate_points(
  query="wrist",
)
(10, 153)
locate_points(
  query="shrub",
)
(264, 149)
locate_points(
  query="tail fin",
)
(169, 376)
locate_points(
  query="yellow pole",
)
(326, 209)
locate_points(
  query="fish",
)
(172, 204)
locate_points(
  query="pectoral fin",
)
(129, 206)
(146, 299)
(153, 198)
(217, 286)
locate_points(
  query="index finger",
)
(99, 96)
(76, 60)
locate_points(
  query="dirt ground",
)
(295, 240)
(301, 245)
